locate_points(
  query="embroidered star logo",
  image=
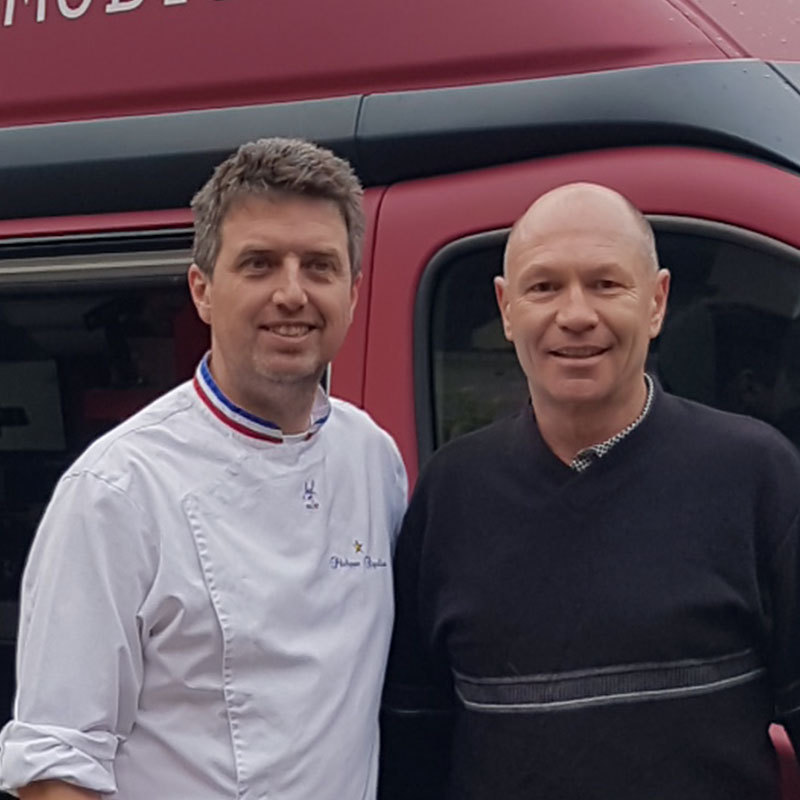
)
(357, 546)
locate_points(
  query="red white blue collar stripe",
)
(243, 421)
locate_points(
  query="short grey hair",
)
(275, 168)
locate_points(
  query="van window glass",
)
(731, 337)
(85, 340)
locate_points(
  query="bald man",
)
(596, 598)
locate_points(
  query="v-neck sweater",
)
(625, 632)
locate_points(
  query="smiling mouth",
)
(578, 352)
(288, 330)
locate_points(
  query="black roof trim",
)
(158, 161)
(149, 162)
(741, 106)
(790, 73)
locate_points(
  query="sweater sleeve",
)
(785, 644)
(417, 714)
(79, 660)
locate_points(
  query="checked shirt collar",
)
(586, 457)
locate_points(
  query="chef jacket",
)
(207, 607)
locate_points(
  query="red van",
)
(112, 113)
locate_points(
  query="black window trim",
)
(93, 261)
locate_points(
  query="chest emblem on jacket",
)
(310, 497)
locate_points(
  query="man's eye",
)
(256, 262)
(542, 287)
(605, 283)
(320, 265)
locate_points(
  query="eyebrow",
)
(249, 250)
(555, 266)
(258, 250)
(537, 270)
(331, 253)
(606, 266)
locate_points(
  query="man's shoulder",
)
(714, 423)
(728, 434)
(150, 429)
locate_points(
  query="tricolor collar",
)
(249, 424)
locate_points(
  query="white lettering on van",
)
(8, 18)
(115, 6)
(73, 9)
(73, 13)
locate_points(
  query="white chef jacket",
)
(206, 608)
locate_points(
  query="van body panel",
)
(747, 27)
(347, 372)
(166, 55)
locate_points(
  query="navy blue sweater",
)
(625, 633)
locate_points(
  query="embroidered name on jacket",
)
(366, 562)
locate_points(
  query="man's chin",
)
(296, 376)
(576, 391)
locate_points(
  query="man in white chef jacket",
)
(207, 604)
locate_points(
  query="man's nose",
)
(289, 291)
(576, 312)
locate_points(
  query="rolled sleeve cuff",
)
(31, 753)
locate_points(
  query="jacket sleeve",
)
(79, 658)
(399, 493)
(417, 713)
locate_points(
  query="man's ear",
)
(500, 289)
(200, 288)
(659, 308)
(355, 285)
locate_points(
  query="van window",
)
(90, 331)
(731, 337)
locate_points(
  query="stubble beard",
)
(287, 386)
(280, 396)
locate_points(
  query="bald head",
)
(581, 207)
(581, 299)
